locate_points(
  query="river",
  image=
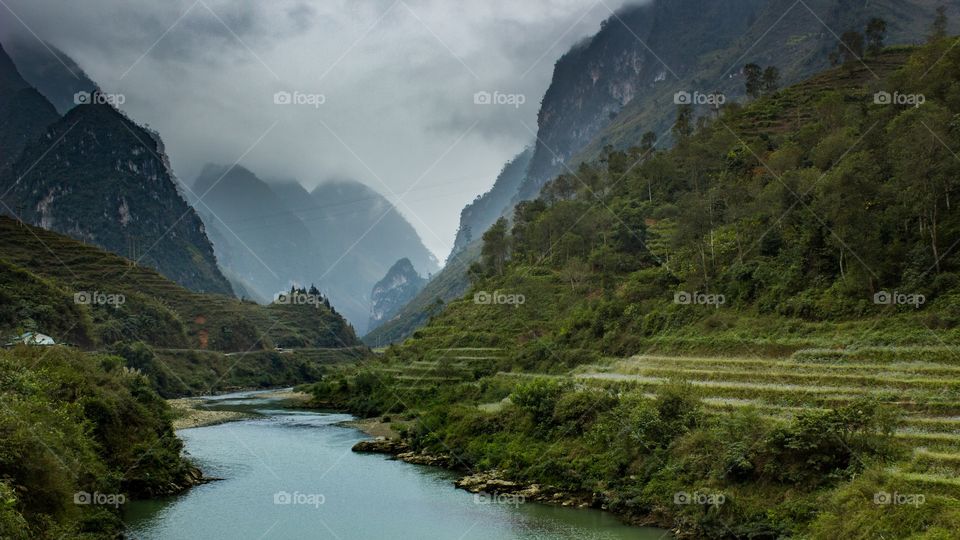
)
(290, 474)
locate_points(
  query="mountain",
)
(480, 214)
(360, 236)
(393, 292)
(359, 218)
(262, 245)
(97, 176)
(612, 88)
(447, 285)
(620, 83)
(24, 112)
(48, 69)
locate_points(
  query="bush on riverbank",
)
(667, 459)
(79, 435)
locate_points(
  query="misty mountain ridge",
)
(341, 236)
(263, 246)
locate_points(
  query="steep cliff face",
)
(391, 293)
(619, 84)
(98, 177)
(637, 50)
(480, 214)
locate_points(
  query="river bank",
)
(495, 484)
(289, 473)
(193, 412)
(386, 440)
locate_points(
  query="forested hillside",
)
(806, 242)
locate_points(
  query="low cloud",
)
(398, 80)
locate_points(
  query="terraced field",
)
(439, 366)
(922, 382)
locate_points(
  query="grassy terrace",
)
(923, 383)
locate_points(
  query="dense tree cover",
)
(634, 454)
(807, 220)
(72, 423)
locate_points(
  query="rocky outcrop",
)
(494, 482)
(402, 451)
(390, 294)
(193, 476)
(381, 445)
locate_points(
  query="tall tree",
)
(647, 141)
(683, 127)
(851, 46)
(938, 30)
(771, 80)
(753, 74)
(496, 246)
(876, 34)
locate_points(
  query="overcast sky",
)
(398, 80)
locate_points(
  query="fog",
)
(381, 91)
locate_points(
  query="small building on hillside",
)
(32, 338)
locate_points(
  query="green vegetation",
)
(43, 271)
(765, 248)
(71, 424)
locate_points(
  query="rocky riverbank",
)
(494, 483)
(190, 413)
(491, 482)
(400, 450)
